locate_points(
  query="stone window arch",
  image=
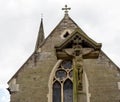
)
(61, 82)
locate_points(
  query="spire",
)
(40, 37)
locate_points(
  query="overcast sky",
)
(20, 20)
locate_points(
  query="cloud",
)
(4, 95)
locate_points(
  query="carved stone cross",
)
(66, 9)
(78, 54)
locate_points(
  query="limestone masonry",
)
(67, 66)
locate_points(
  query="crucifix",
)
(66, 9)
(79, 53)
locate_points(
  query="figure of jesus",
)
(77, 53)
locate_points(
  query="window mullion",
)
(62, 92)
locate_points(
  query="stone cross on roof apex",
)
(66, 9)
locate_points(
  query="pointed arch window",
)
(56, 92)
(68, 91)
(63, 82)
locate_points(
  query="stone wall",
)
(103, 76)
(33, 76)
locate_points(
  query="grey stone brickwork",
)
(103, 75)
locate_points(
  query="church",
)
(67, 66)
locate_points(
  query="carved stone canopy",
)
(78, 40)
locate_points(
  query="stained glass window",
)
(61, 74)
(67, 64)
(71, 73)
(63, 85)
(56, 92)
(68, 91)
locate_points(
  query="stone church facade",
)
(67, 66)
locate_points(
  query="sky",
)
(20, 20)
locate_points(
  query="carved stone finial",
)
(42, 15)
(66, 9)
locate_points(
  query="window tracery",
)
(63, 82)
